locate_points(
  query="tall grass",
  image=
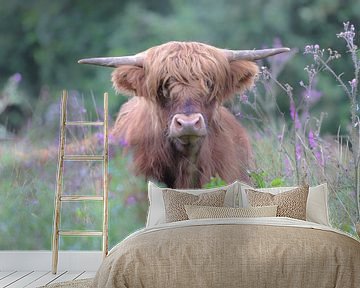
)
(27, 185)
(289, 149)
(290, 145)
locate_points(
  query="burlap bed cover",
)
(237, 252)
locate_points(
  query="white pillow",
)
(156, 212)
(317, 202)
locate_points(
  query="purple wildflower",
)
(239, 115)
(312, 95)
(348, 35)
(298, 151)
(257, 136)
(100, 137)
(312, 49)
(265, 73)
(280, 58)
(312, 141)
(315, 51)
(131, 200)
(292, 110)
(277, 43)
(294, 115)
(33, 202)
(319, 158)
(353, 84)
(244, 98)
(112, 152)
(123, 143)
(111, 139)
(115, 140)
(297, 123)
(16, 78)
(287, 166)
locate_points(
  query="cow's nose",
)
(188, 125)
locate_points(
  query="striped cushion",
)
(200, 212)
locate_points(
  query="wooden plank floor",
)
(32, 279)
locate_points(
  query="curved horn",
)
(136, 60)
(252, 55)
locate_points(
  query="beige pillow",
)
(316, 207)
(201, 212)
(175, 201)
(290, 203)
(156, 212)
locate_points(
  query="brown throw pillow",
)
(175, 201)
(290, 203)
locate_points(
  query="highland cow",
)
(176, 126)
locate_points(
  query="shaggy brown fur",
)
(184, 77)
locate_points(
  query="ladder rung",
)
(81, 198)
(80, 233)
(84, 123)
(83, 157)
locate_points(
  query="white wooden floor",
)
(33, 268)
(32, 279)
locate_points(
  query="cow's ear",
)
(129, 80)
(242, 75)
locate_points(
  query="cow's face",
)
(186, 82)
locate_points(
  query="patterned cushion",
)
(316, 207)
(290, 204)
(200, 212)
(156, 212)
(175, 201)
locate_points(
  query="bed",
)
(234, 251)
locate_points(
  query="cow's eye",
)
(162, 95)
(163, 90)
(160, 91)
(210, 85)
